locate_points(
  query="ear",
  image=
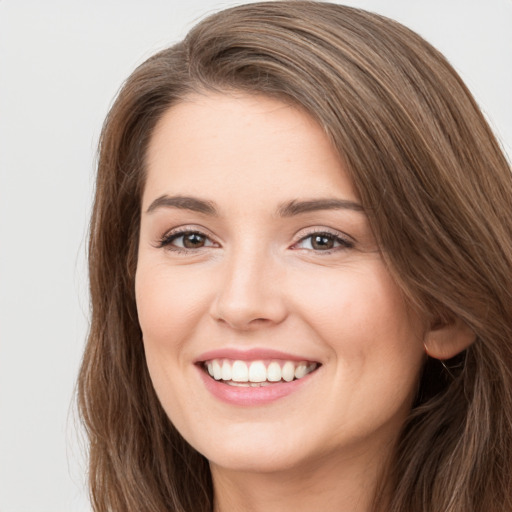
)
(447, 339)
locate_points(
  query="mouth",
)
(257, 373)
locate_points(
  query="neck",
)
(348, 485)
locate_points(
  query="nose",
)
(250, 294)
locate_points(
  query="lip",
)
(250, 355)
(249, 396)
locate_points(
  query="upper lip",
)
(252, 354)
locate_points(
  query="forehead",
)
(238, 147)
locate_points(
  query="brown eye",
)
(193, 240)
(322, 242)
(186, 240)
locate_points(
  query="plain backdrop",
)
(61, 63)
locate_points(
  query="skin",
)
(258, 281)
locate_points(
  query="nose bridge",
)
(249, 292)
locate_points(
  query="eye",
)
(185, 241)
(323, 242)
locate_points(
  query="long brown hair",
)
(438, 192)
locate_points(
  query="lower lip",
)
(249, 396)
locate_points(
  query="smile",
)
(257, 373)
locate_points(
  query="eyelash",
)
(343, 241)
(167, 240)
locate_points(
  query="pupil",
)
(193, 240)
(322, 242)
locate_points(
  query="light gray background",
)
(61, 63)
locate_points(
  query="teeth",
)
(238, 384)
(288, 371)
(257, 373)
(248, 384)
(217, 373)
(274, 372)
(301, 370)
(226, 371)
(240, 372)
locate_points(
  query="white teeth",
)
(257, 372)
(239, 372)
(217, 373)
(288, 371)
(226, 371)
(248, 384)
(274, 372)
(300, 371)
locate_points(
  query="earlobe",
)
(448, 339)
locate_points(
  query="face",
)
(275, 336)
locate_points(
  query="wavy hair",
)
(438, 192)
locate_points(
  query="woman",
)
(300, 264)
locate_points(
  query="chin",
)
(253, 448)
(258, 449)
(256, 460)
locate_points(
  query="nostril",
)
(249, 301)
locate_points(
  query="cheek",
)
(374, 343)
(361, 314)
(169, 308)
(169, 303)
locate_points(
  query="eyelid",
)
(165, 241)
(346, 241)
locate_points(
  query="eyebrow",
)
(287, 209)
(184, 203)
(295, 207)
